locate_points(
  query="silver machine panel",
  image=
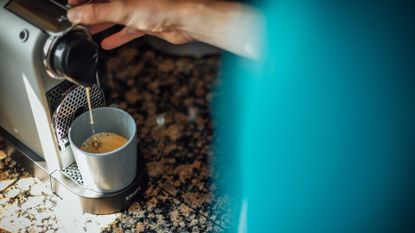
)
(48, 16)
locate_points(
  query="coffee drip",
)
(91, 116)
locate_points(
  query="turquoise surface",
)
(321, 133)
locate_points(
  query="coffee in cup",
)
(111, 171)
(103, 143)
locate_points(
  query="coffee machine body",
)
(43, 58)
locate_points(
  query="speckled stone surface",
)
(169, 97)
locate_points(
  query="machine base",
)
(80, 197)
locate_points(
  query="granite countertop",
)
(169, 97)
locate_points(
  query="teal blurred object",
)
(321, 133)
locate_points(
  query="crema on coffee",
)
(103, 143)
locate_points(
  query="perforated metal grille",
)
(57, 94)
(73, 104)
(72, 172)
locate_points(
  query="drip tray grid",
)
(73, 173)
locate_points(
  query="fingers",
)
(79, 2)
(128, 34)
(76, 2)
(95, 13)
(174, 37)
(120, 38)
(93, 29)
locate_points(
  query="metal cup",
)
(111, 171)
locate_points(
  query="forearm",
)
(227, 25)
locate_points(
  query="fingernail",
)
(74, 16)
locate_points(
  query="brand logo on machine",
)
(128, 197)
(61, 18)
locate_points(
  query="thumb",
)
(110, 12)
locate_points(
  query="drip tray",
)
(73, 173)
(68, 184)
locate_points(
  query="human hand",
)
(157, 18)
(225, 24)
(96, 28)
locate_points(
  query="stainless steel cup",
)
(111, 171)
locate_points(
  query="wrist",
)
(189, 15)
(206, 20)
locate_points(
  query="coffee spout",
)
(76, 57)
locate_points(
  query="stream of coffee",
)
(91, 117)
(101, 142)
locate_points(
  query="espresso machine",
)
(45, 64)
